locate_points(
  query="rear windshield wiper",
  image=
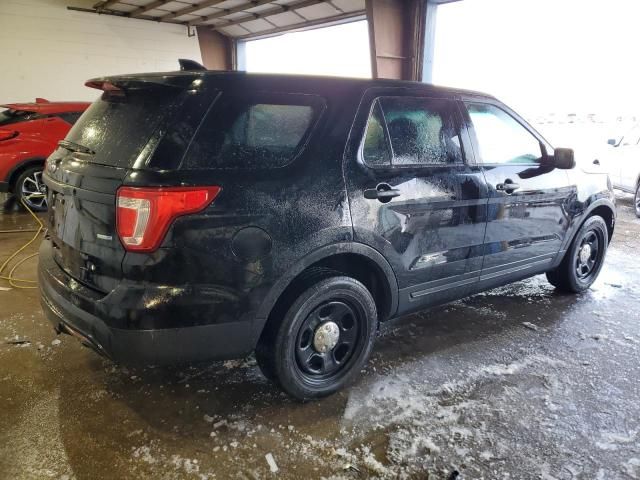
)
(75, 147)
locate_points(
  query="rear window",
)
(9, 116)
(256, 131)
(118, 127)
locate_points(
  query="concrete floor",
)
(519, 382)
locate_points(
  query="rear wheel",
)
(636, 201)
(584, 259)
(323, 340)
(31, 190)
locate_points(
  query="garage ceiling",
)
(242, 19)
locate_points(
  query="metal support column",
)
(396, 36)
(218, 52)
(431, 11)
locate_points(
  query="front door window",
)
(501, 138)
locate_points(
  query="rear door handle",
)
(508, 186)
(383, 192)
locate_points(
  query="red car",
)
(29, 132)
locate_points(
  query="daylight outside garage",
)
(319, 239)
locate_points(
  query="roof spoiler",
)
(189, 65)
(42, 100)
(120, 84)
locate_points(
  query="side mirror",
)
(563, 158)
(612, 142)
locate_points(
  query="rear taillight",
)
(143, 215)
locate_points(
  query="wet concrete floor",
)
(520, 382)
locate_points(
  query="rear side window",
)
(258, 131)
(412, 131)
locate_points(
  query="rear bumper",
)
(160, 346)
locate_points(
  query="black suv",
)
(204, 215)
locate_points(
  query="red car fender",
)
(30, 142)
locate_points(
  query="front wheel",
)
(636, 201)
(30, 189)
(324, 339)
(584, 259)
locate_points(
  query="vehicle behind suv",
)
(29, 132)
(622, 162)
(206, 215)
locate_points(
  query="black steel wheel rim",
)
(33, 191)
(589, 254)
(317, 366)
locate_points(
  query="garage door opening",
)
(573, 78)
(338, 50)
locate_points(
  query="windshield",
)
(10, 116)
(632, 137)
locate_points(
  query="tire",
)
(323, 340)
(636, 201)
(30, 190)
(307, 279)
(580, 266)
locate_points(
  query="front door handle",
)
(509, 186)
(383, 192)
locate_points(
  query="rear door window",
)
(376, 150)
(414, 131)
(257, 131)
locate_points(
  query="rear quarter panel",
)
(282, 214)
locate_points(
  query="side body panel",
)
(432, 233)
(527, 226)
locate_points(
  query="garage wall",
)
(49, 51)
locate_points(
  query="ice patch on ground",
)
(632, 467)
(144, 453)
(613, 440)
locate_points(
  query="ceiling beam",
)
(228, 11)
(320, 22)
(105, 4)
(118, 13)
(191, 9)
(267, 13)
(145, 8)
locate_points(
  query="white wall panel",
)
(48, 51)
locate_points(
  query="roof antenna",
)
(188, 65)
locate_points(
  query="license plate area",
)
(57, 214)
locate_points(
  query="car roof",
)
(287, 82)
(46, 107)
